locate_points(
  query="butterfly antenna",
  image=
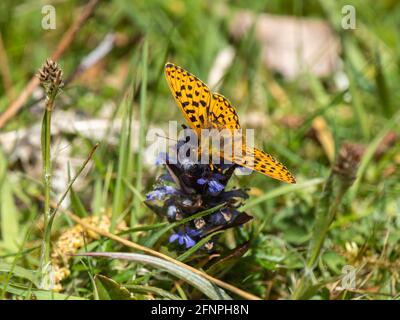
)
(165, 137)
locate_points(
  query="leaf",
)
(43, 134)
(197, 281)
(123, 155)
(108, 289)
(370, 151)
(224, 264)
(241, 219)
(334, 261)
(77, 204)
(8, 211)
(309, 289)
(39, 294)
(18, 271)
(137, 211)
(196, 247)
(281, 191)
(97, 198)
(382, 87)
(296, 235)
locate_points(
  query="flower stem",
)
(50, 76)
(340, 180)
(46, 137)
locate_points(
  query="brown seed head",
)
(50, 76)
(347, 162)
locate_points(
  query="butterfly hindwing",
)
(222, 114)
(262, 162)
(191, 94)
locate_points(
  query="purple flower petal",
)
(192, 232)
(159, 193)
(185, 238)
(201, 181)
(189, 241)
(173, 237)
(215, 187)
(169, 190)
(156, 194)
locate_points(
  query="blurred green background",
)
(306, 84)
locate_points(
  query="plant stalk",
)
(340, 180)
(50, 76)
(46, 140)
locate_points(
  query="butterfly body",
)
(204, 109)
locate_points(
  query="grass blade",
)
(136, 213)
(109, 289)
(210, 290)
(197, 246)
(281, 191)
(40, 294)
(18, 271)
(123, 154)
(149, 289)
(369, 153)
(8, 217)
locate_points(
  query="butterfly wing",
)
(221, 113)
(191, 94)
(262, 162)
(203, 109)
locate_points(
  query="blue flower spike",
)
(187, 188)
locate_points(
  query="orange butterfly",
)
(205, 109)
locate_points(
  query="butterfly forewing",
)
(191, 94)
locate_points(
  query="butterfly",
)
(204, 109)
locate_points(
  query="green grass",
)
(128, 84)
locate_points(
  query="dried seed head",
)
(73, 239)
(50, 76)
(347, 162)
(199, 223)
(209, 245)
